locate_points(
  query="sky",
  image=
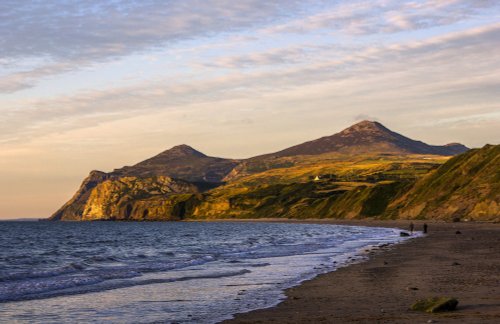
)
(93, 84)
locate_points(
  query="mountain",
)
(126, 193)
(368, 137)
(181, 162)
(362, 165)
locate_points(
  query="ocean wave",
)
(94, 263)
(36, 289)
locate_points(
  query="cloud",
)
(71, 34)
(97, 29)
(26, 79)
(417, 71)
(362, 117)
(384, 16)
(271, 57)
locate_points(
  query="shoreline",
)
(382, 288)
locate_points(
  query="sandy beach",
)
(460, 260)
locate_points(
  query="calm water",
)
(163, 272)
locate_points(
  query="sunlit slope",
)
(467, 186)
(132, 198)
(331, 185)
(129, 198)
(464, 187)
(366, 137)
(345, 167)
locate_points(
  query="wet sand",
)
(382, 289)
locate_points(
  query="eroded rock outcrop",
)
(105, 197)
(73, 209)
(132, 198)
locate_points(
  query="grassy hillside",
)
(330, 185)
(467, 187)
(385, 186)
(343, 167)
(301, 200)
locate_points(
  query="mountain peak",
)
(365, 126)
(181, 162)
(367, 123)
(182, 150)
(178, 155)
(368, 137)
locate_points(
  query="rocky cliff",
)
(73, 209)
(102, 197)
(150, 190)
(132, 198)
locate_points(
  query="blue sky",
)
(100, 84)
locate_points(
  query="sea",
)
(165, 272)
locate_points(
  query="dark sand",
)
(381, 290)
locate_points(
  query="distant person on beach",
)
(411, 228)
(425, 228)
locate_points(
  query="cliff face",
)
(132, 198)
(73, 209)
(102, 197)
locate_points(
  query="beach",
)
(460, 260)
